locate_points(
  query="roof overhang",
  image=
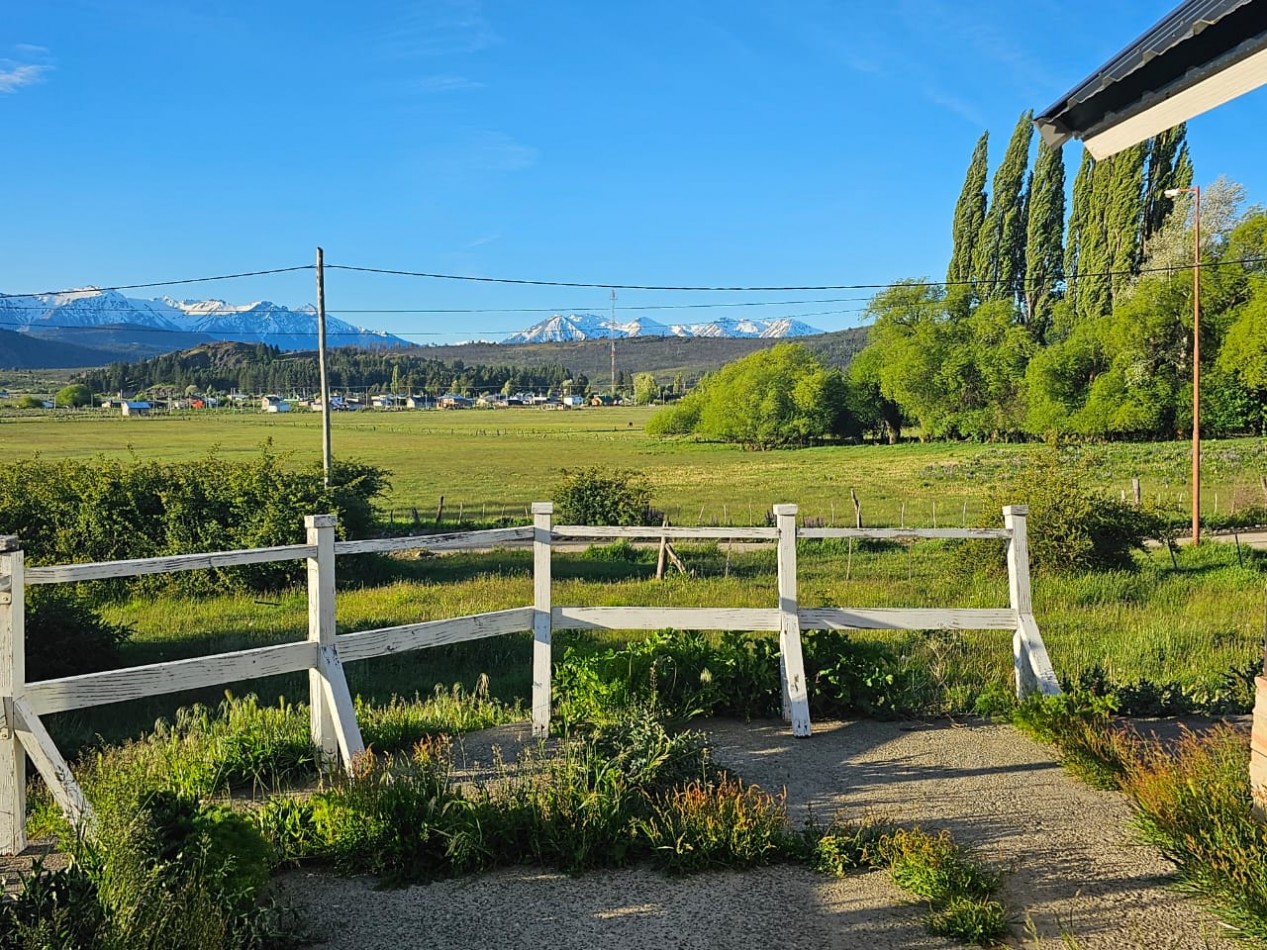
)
(1201, 55)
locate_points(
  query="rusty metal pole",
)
(1196, 367)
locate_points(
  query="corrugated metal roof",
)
(1188, 46)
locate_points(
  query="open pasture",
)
(490, 464)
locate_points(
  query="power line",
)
(165, 283)
(483, 310)
(760, 289)
(340, 333)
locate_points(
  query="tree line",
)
(1077, 324)
(259, 368)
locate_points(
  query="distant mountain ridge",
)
(575, 327)
(140, 325)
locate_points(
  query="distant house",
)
(419, 402)
(274, 404)
(454, 401)
(133, 407)
(573, 400)
(602, 399)
(387, 401)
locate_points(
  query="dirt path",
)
(1070, 861)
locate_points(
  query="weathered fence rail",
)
(333, 724)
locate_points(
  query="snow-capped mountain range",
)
(259, 322)
(588, 326)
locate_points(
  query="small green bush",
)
(934, 867)
(1192, 799)
(723, 825)
(1078, 725)
(982, 921)
(65, 636)
(1073, 525)
(596, 496)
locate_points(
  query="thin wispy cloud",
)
(480, 152)
(954, 105)
(434, 28)
(447, 84)
(480, 241)
(15, 76)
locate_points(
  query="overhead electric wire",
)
(916, 282)
(618, 286)
(166, 283)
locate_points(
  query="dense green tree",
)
(76, 394)
(999, 256)
(1124, 217)
(1044, 244)
(969, 214)
(1168, 167)
(773, 398)
(646, 390)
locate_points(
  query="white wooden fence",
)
(334, 727)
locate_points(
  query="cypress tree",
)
(1124, 215)
(969, 214)
(1167, 155)
(998, 259)
(1044, 247)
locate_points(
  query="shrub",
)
(1073, 525)
(934, 867)
(594, 496)
(102, 509)
(724, 825)
(76, 394)
(1077, 724)
(65, 636)
(54, 909)
(1193, 801)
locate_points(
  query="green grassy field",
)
(491, 464)
(1194, 625)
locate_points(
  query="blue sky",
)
(733, 143)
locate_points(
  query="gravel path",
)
(1071, 863)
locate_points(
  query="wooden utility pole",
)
(321, 361)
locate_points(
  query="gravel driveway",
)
(1070, 860)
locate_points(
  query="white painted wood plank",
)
(542, 617)
(906, 618)
(791, 660)
(455, 541)
(665, 618)
(907, 533)
(1015, 517)
(321, 630)
(52, 767)
(654, 533)
(1034, 669)
(338, 700)
(106, 570)
(12, 686)
(156, 679)
(432, 633)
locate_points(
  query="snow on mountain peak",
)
(565, 329)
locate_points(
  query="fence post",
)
(542, 619)
(12, 686)
(791, 661)
(333, 716)
(1033, 667)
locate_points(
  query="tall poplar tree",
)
(969, 214)
(1124, 215)
(999, 257)
(1044, 239)
(1168, 167)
